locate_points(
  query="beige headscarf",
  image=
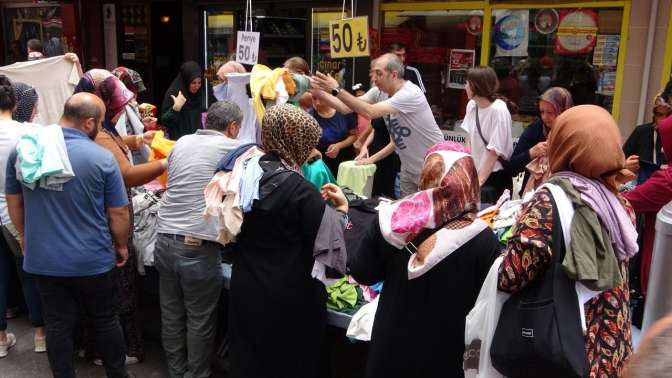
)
(585, 139)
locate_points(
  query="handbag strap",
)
(500, 159)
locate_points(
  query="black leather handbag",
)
(539, 330)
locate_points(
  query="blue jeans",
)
(190, 283)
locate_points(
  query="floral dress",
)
(528, 253)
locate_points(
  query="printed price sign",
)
(349, 38)
(247, 49)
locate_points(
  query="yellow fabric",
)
(355, 176)
(262, 86)
(160, 149)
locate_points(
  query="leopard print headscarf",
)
(289, 132)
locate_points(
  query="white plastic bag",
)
(480, 327)
(361, 325)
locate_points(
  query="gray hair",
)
(394, 64)
(221, 114)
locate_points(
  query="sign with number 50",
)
(349, 38)
(247, 50)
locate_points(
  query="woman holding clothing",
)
(184, 102)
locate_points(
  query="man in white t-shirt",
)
(409, 118)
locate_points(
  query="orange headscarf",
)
(585, 139)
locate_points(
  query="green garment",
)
(318, 174)
(341, 295)
(590, 258)
(302, 86)
(181, 123)
(356, 176)
(360, 302)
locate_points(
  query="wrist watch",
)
(336, 91)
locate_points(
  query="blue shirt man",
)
(67, 233)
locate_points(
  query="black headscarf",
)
(188, 72)
(26, 100)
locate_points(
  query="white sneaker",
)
(4, 347)
(129, 361)
(40, 344)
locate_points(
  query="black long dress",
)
(277, 312)
(419, 325)
(386, 169)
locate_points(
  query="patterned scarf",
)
(290, 133)
(26, 98)
(447, 204)
(131, 79)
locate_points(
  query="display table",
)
(334, 318)
(359, 178)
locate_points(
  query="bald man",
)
(409, 119)
(67, 238)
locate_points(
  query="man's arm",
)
(119, 222)
(363, 108)
(15, 208)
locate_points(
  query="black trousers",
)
(495, 185)
(60, 297)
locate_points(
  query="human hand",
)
(149, 122)
(323, 82)
(122, 255)
(314, 155)
(178, 101)
(71, 57)
(334, 194)
(363, 154)
(21, 244)
(539, 149)
(664, 166)
(333, 150)
(632, 164)
(148, 137)
(364, 161)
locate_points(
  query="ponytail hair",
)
(7, 96)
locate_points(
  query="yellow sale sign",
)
(349, 38)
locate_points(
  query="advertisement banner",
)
(577, 32)
(460, 61)
(512, 29)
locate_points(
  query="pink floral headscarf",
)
(448, 201)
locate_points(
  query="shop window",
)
(321, 59)
(442, 45)
(534, 49)
(220, 42)
(54, 25)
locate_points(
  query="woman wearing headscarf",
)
(590, 174)
(277, 311)
(427, 247)
(532, 144)
(649, 197)
(26, 102)
(645, 142)
(184, 102)
(116, 97)
(131, 79)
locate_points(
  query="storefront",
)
(531, 46)
(52, 22)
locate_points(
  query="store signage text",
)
(247, 49)
(349, 38)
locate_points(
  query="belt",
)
(188, 240)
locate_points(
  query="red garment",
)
(649, 197)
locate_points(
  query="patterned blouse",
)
(528, 252)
